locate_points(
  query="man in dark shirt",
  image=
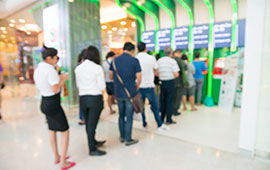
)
(129, 70)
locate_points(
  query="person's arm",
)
(193, 69)
(111, 75)
(175, 69)
(156, 72)
(57, 87)
(1, 77)
(176, 74)
(139, 79)
(101, 80)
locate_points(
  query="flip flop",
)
(70, 166)
(57, 162)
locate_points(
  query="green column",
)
(150, 8)
(234, 25)
(188, 5)
(169, 7)
(209, 100)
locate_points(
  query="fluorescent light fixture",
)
(123, 22)
(124, 34)
(12, 25)
(28, 33)
(12, 21)
(114, 28)
(21, 20)
(133, 24)
(104, 27)
(116, 45)
(3, 28)
(125, 29)
(71, 1)
(109, 32)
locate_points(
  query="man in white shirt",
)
(149, 69)
(168, 70)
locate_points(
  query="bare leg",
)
(110, 100)
(184, 101)
(192, 102)
(64, 148)
(53, 140)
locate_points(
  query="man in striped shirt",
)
(168, 70)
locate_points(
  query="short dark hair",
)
(158, 56)
(129, 46)
(197, 55)
(184, 57)
(110, 54)
(141, 46)
(92, 54)
(46, 52)
(81, 56)
(177, 51)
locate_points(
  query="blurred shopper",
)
(49, 84)
(109, 83)
(91, 84)
(156, 80)
(129, 70)
(81, 118)
(168, 70)
(180, 82)
(149, 67)
(2, 86)
(199, 77)
(190, 90)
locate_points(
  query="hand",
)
(64, 76)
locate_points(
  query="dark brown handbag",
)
(136, 101)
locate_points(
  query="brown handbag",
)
(136, 101)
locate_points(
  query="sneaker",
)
(122, 140)
(132, 142)
(163, 128)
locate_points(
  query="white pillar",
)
(254, 116)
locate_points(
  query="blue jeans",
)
(149, 93)
(81, 115)
(125, 118)
(167, 100)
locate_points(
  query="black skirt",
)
(55, 115)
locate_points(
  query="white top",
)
(167, 66)
(106, 67)
(148, 64)
(90, 78)
(45, 77)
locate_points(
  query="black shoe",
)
(122, 140)
(100, 143)
(0, 117)
(97, 153)
(132, 142)
(171, 122)
(177, 114)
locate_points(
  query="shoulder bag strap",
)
(119, 78)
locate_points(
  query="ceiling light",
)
(123, 33)
(123, 22)
(114, 28)
(125, 29)
(109, 32)
(133, 24)
(28, 33)
(104, 27)
(3, 28)
(3, 36)
(21, 20)
(5, 32)
(12, 25)
(12, 21)
(71, 1)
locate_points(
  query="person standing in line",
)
(199, 77)
(129, 70)
(109, 83)
(91, 84)
(180, 82)
(81, 118)
(190, 90)
(168, 70)
(49, 83)
(1, 84)
(149, 67)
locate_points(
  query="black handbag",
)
(136, 101)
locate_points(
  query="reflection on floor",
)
(25, 144)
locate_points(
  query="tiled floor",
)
(199, 141)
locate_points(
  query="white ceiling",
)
(8, 7)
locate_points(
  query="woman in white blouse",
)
(91, 84)
(49, 84)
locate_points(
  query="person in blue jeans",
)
(149, 67)
(129, 70)
(198, 76)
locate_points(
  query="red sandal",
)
(70, 166)
(57, 162)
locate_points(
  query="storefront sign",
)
(200, 36)
(241, 33)
(222, 34)
(181, 37)
(148, 37)
(164, 38)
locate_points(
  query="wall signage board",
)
(200, 36)
(241, 33)
(181, 37)
(148, 37)
(222, 34)
(164, 38)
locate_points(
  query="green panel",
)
(169, 7)
(188, 5)
(234, 25)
